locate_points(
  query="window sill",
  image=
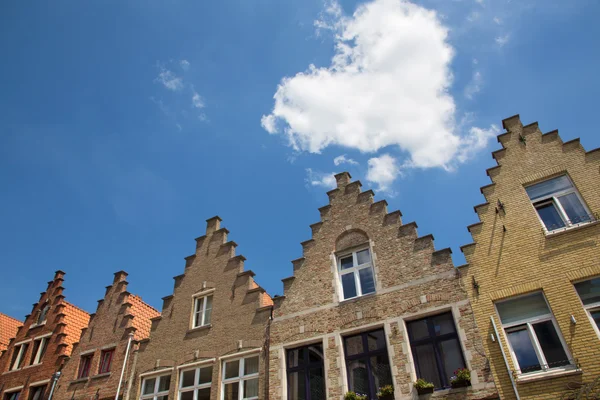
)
(560, 231)
(199, 328)
(80, 380)
(31, 366)
(354, 299)
(37, 325)
(103, 375)
(539, 376)
(12, 370)
(443, 393)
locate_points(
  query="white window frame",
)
(241, 378)
(21, 356)
(197, 385)
(46, 307)
(155, 394)
(552, 198)
(589, 308)
(201, 296)
(43, 344)
(529, 322)
(355, 270)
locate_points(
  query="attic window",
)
(202, 311)
(356, 275)
(43, 314)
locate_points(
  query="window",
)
(202, 311)
(194, 384)
(367, 363)
(558, 203)
(240, 379)
(531, 332)
(18, 357)
(37, 392)
(156, 388)
(38, 351)
(84, 366)
(589, 292)
(43, 314)
(435, 348)
(356, 274)
(12, 395)
(105, 360)
(305, 373)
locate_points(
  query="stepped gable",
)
(526, 140)
(8, 330)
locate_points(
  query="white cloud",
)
(474, 86)
(322, 179)
(197, 100)
(502, 40)
(475, 141)
(387, 85)
(169, 80)
(343, 160)
(497, 20)
(473, 16)
(382, 171)
(479, 1)
(185, 64)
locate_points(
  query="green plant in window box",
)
(423, 386)
(355, 396)
(386, 393)
(461, 378)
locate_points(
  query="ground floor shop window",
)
(194, 384)
(305, 373)
(240, 379)
(156, 388)
(367, 363)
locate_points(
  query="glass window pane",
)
(205, 375)
(315, 353)
(199, 304)
(550, 216)
(204, 394)
(589, 291)
(443, 324)
(187, 395)
(380, 368)
(348, 286)
(358, 376)
(251, 388)
(346, 262)
(523, 348)
(149, 386)
(451, 356)
(187, 378)
(164, 384)
(166, 397)
(250, 365)
(596, 317)
(548, 187)
(376, 340)
(367, 283)
(316, 380)
(208, 312)
(363, 257)
(354, 345)
(296, 386)
(523, 307)
(232, 391)
(232, 369)
(574, 209)
(550, 343)
(427, 366)
(295, 357)
(418, 329)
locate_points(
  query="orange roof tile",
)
(76, 320)
(8, 330)
(142, 313)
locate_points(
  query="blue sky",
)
(124, 125)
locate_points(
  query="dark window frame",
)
(305, 367)
(435, 341)
(84, 367)
(33, 390)
(103, 368)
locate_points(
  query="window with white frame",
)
(534, 340)
(43, 314)
(38, 351)
(202, 311)
(558, 204)
(589, 292)
(18, 357)
(240, 379)
(194, 384)
(356, 273)
(156, 387)
(12, 395)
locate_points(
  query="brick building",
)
(372, 304)
(533, 269)
(96, 363)
(210, 340)
(41, 345)
(8, 330)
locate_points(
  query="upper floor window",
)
(435, 348)
(156, 388)
(37, 392)
(532, 335)
(194, 384)
(84, 366)
(240, 379)
(12, 395)
(38, 351)
(558, 203)
(589, 292)
(105, 361)
(305, 373)
(18, 357)
(202, 311)
(43, 314)
(356, 274)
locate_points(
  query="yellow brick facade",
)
(511, 255)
